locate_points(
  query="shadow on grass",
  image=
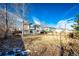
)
(10, 43)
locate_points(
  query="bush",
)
(71, 35)
(76, 34)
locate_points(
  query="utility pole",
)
(5, 12)
(23, 20)
(22, 29)
(65, 34)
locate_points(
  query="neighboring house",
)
(35, 29)
(32, 28)
(48, 29)
(38, 29)
(26, 27)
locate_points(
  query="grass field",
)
(51, 45)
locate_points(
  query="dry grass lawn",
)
(51, 45)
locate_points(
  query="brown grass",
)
(50, 45)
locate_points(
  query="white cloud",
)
(66, 23)
(51, 25)
(36, 21)
(61, 24)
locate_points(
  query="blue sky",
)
(55, 15)
(52, 13)
(47, 14)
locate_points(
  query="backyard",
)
(51, 45)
